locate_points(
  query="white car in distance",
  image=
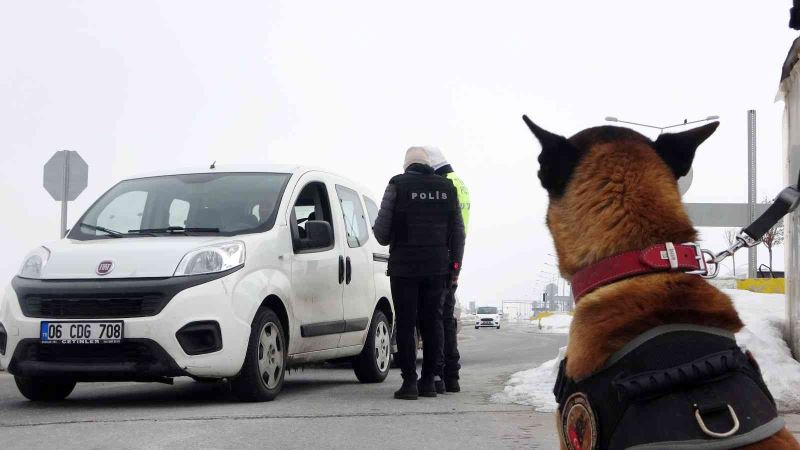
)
(236, 273)
(487, 316)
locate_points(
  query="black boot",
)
(427, 387)
(408, 391)
(438, 386)
(451, 385)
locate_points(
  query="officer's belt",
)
(673, 387)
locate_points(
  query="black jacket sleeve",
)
(383, 224)
(458, 236)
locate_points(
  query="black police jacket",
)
(420, 219)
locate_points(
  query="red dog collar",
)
(666, 257)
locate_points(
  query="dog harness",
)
(674, 387)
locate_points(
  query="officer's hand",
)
(456, 269)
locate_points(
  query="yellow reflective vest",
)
(463, 197)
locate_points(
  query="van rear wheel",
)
(44, 389)
(372, 365)
(264, 368)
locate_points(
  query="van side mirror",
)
(319, 235)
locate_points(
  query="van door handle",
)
(349, 271)
(341, 269)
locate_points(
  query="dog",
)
(613, 191)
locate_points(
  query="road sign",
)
(66, 175)
(722, 214)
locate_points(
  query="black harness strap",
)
(646, 384)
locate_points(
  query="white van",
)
(487, 316)
(235, 273)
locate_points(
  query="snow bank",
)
(533, 387)
(557, 323)
(763, 315)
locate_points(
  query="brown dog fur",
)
(622, 196)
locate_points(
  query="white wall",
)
(790, 88)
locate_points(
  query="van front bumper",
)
(150, 348)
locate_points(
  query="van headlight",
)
(211, 259)
(34, 263)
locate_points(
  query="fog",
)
(348, 86)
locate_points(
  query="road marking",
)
(271, 417)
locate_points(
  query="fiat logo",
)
(105, 267)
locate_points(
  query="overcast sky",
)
(145, 85)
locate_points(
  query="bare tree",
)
(773, 238)
(730, 238)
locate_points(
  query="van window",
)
(203, 203)
(354, 220)
(372, 210)
(311, 204)
(123, 213)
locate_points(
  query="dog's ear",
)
(557, 160)
(677, 149)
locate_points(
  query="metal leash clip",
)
(742, 240)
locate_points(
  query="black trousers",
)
(419, 298)
(450, 325)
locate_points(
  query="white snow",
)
(533, 387)
(557, 323)
(763, 315)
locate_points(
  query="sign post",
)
(752, 254)
(65, 176)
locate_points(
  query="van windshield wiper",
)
(171, 230)
(108, 231)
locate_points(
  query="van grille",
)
(139, 305)
(125, 352)
(103, 298)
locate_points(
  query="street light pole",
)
(661, 129)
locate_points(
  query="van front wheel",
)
(44, 389)
(261, 378)
(372, 365)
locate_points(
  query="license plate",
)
(82, 332)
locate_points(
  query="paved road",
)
(319, 408)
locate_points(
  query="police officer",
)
(421, 221)
(451, 357)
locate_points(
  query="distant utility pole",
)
(752, 252)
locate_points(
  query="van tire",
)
(373, 363)
(41, 389)
(264, 368)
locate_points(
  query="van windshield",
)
(224, 204)
(487, 310)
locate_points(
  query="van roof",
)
(294, 169)
(242, 168)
